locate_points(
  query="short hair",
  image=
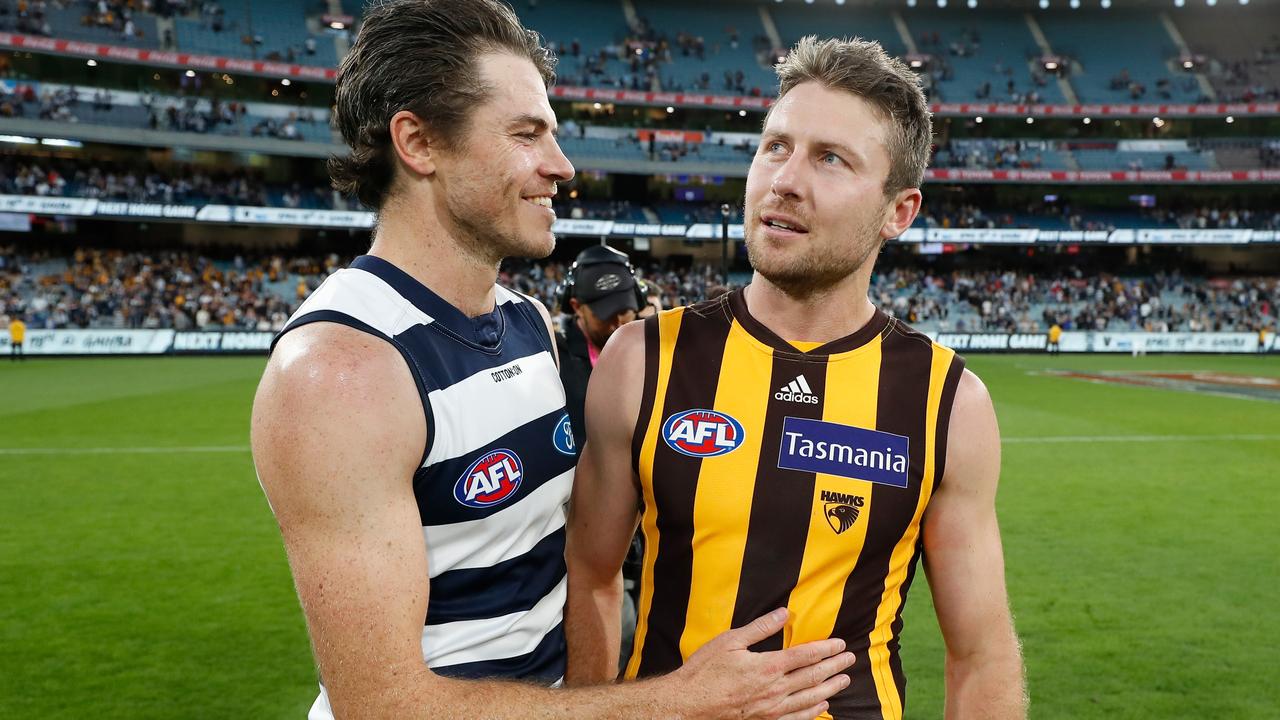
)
(864, 69)
(420, 56)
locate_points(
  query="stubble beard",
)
(812, 273)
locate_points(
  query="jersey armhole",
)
(945, 403)
(333, 316)
(647, 399)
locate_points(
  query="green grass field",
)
(142, 576)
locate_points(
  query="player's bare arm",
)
(602, 518)
(964, 562)
(337, 434)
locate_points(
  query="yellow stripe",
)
(891, 600)
(668, 330)
(726, 483)
(852, 388)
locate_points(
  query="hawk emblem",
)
(841, 516)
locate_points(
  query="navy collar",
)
(483, 332)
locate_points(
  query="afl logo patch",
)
(702, 433)
(562, 437)
(490, 480)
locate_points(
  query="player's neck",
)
(419, 245)
(822, 317)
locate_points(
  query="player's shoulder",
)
(327, 364)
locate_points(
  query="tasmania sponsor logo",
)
(490, 480)
(702, 433)
(844, 450)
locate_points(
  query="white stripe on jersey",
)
(367, 298)
(488, 541)
(504, 295)
(504, 406)
(494, 638)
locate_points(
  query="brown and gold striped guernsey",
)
(800, 480)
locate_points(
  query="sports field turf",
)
(142, 576)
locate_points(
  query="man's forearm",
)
(429, 696)
(593, 629)
(988, 686)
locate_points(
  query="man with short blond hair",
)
(792, 444)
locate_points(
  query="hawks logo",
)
(492, 479)
(702, 433)
(842, 510)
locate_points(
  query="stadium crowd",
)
(172, 185)
(184, 290)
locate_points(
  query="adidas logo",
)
(797, 391)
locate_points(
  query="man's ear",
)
(902, 212)
(415, 145)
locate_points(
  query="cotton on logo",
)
(490, 480)
(702, 433)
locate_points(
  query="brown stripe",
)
(901, 409)
(781, 504)
(695, 371)
(944, 419)
(650, 386)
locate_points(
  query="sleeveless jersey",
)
(495, 475)
(776, 477)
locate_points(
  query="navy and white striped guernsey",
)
(495, 475)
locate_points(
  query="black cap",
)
(607, 288)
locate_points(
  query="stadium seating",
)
(982, 66)
(1119, 44)
(70, 22)
(713, 24)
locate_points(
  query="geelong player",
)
(405, 428)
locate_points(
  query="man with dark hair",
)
(405, 428)
(792, 444)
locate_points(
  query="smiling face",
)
(815, 204)
(497, 181)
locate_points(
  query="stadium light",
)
(19, 139)
(92, 63)
(942, 3)
(1075, 4)
(1106, 4)
(839, 2)
(911, 3)
(1244, 2)
(1044, 4)
(59, 142)
(1179, 3)
(972, 4)
(1210, 3)
(808, 2)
